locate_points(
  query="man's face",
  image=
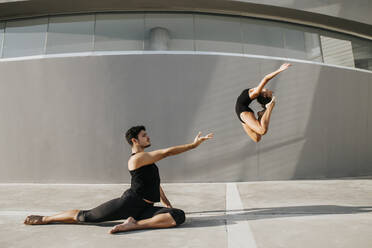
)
(143, 139)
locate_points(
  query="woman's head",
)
(264, 97)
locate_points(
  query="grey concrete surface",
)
(63, 119)
(307, 213)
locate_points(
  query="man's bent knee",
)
(178, 215)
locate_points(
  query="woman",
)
(255, 128)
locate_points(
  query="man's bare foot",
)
(272, 102)
(35, 220)
(127, 225)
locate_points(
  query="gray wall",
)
(62, 119)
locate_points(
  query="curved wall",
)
(359, 10)
(185, 32)
(62, 119)
(351, 17)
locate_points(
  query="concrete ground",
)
(316, 213)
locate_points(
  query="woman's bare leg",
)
(259, 126)
(265, 120)
(68, 217)
(158, 221)
(252, 134)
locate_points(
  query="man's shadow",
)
(229, 217)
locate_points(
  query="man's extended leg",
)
(69, 217)
(115, 209)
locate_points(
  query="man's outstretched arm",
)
(145, 158)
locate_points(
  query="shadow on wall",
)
(336, 143)
(319, 129)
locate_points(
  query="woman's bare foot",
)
(35, 220)
(127, 225)
(272, 102)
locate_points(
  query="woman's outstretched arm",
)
(257, 90)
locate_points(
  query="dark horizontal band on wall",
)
(10, 9)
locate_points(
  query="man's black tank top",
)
(146, 182)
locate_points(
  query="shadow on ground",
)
(219, 217)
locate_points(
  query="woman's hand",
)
(200, 139)
(268, 77)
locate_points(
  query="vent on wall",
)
(337, 52)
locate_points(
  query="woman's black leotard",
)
(144, 185)
(242, 103)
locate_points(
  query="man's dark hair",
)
(133, 133)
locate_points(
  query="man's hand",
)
(284, 66)
(164, 200)
(166, 203)
(200, 139)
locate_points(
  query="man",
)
(136, 205)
